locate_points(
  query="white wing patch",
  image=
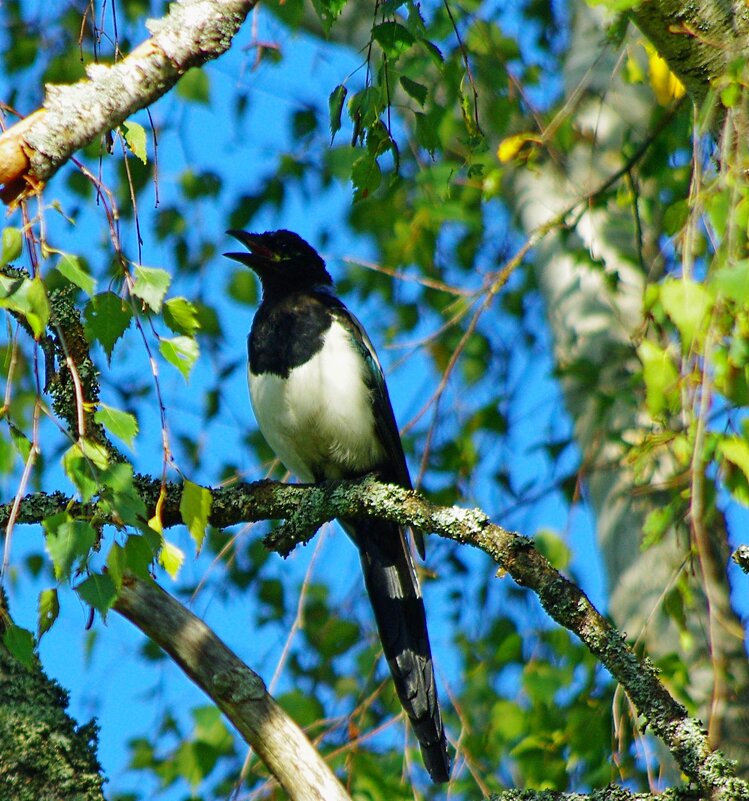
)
(319, 420)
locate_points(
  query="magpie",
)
(320, 400)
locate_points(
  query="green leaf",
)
(20, 441)
(393, 38)
(181, 316)
(106, 318)
(195, 85)
(135, 136)
(661, 378)
(732, 282)
(28, 298)
(135, 556)
(98, 591)
(38, 309)
(151, 284)
(122, 425)
(688, 304)
(719, 208)
(656, 525)
(364, 107)
(120, 493)
(675, 217)
(211, 729)
(366, 176)
(415, 90)
(195, 508)
(615, 6)
(508, 721)
(116, 564)
(427, 132)
(11, 245)
(70, 266)
(182, 352)
(333, 636)
(68, 543)
(243, 287)
(553, 547)
(48, 608)
(736, 450)
(82, 463)
(20, 643)
(304, 708)
(196, 185)
(328, 11)
(140, 551)
(335, 108)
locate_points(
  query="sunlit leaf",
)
(68, 543)
(732, 281)
(195, 508)
(195, 86)
(510, 147)
(688, 303)
(151, 284)
(48, 608)
(181, 316)
(10, 245)
(71, 267)
(135, 136)
(661, 378)
(122, 425)
(82, 463)
(182, 352)
(171, 558)
(666, 86)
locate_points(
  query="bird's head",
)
(283, 261)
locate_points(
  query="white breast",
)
(319, 420)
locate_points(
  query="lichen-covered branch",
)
(192, 32)
(237, 690)
(305, 508)
(611, 793)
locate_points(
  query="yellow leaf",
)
(155, 522)
(171, 558)
(510, 147)
(666, 86)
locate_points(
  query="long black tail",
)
(401, 620)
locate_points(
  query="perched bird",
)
(320, 400)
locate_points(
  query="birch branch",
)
(238, 691)
(192, 33)
(306, 507)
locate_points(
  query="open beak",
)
(258, 258)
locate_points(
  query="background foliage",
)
(396, 138)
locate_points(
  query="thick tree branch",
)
(193, 32)
(43, 753)
(238, 691)
(698, 40)
(611, 793)
(305, 508)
